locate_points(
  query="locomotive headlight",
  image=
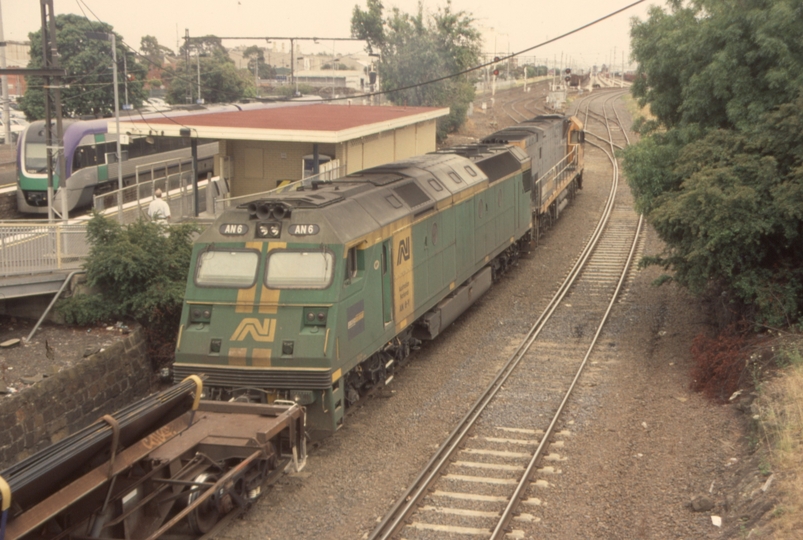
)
(200, 314)
(269, 230)
(315, 316)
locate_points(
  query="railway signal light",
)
(496, 69)
(568, 71)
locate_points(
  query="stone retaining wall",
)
(8, 206)
(74, 398)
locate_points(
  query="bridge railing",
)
(36, 248)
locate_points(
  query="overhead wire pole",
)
(6, 113)
(62, 169)
(111, 37)
(48, 116)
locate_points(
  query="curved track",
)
(484, 477)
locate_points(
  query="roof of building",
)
(320, 123)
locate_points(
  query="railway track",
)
(485, 479)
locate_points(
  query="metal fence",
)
(176, 185)
(35, 248)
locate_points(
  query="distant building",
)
(17, 56)
(354, 79)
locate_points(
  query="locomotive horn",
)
(279, 212)
(252, 209)
(263, 211)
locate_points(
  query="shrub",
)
(720, 363)
(140, 271)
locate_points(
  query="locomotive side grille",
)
(499, 166)
(412, 194)
(260, 378)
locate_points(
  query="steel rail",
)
(407, 503)
(507, 513)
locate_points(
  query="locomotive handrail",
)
(334, 173)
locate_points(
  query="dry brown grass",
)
(636, 111)
(780, 419)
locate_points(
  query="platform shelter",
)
(266, 146)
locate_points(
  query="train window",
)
(351, 263)
(35, 157)
(470, 171)
(84, 157)
(299, 269)
(227, 268)
(456, 177)
(435, 184)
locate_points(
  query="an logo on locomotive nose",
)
(260, 331)
(404, 251)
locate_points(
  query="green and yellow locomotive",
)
(317, 294)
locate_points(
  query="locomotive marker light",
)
(269, 230)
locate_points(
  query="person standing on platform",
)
(159, 210)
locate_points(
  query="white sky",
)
(512, 24)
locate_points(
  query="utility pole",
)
(198, 64)
(52, 100)
(126, 104)
(187, 61)
(6, 112)
(103, 36)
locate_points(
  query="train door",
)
(387, 283)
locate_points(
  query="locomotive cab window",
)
(227, 268)
(299, 269)
(355, 264)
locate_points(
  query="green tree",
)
(206, 45)
(88, 87)
(153, 52)
(140, 271)
(256, 60)
(417, 49)
(221, 80)
(719, 172)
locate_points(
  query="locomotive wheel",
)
(202, 519)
